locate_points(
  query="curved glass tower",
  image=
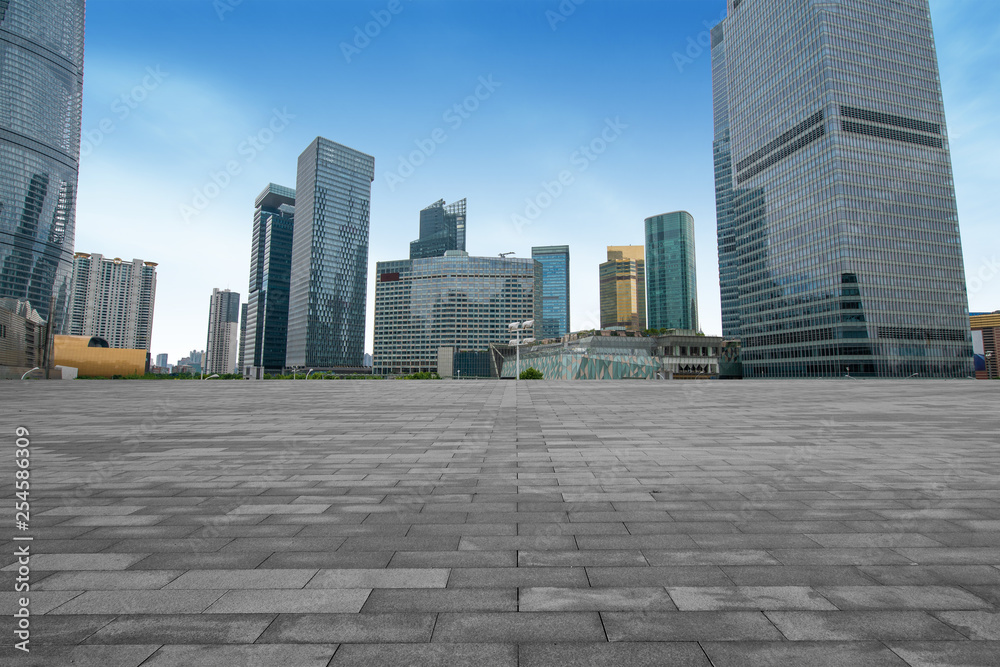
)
(41, 90)
(671, 280)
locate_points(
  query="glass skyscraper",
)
(839, 246)
(41, 57)
(623, 288)
(442, 228)
(671, 280)
(456, 301)
(270, 272)
(554, 319)
(328, 285)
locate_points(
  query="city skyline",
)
(621, 186)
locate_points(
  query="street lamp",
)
(518, 327)
(986, 362)
(310, 371)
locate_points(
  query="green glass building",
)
(671, 280)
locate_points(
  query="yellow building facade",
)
(92, 357)
(623, 288)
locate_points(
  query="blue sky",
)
(191, 107)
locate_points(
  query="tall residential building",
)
(270, 272)
(442, 228)
(328, 285)
(671, 280)
(113, 299)
(243, 338)
(553, 321)
(623, 288)
(162, 360)
(223, 332)
(465, 303)
(839, 246)
(41, 57)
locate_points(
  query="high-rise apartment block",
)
(456, 301)
(41, 57)
(113, 300)
(328, 283)
(442, 228)
(671, 278)
(623, 288)
(839, 246)
(270, 273)
(223, 332)
(553, 321)
(162, 360)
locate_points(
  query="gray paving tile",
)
(594, 599)
(241, 579)
(453, 559)
(183, 629)
(274, 601)
(920, 575)
(731, 598)
(979, 625)
(382, 578)
(107, 581)
(860, 625)
(73, 561)
(253, 655)
(519, 627)
(319, 560)
(441, 599)
(814, 654)
(349, 628)
(645, 654)
(57, 630)
(798, 575)
(658, 576)
(79, 656)
(40, 603)
(948, 654)
(901, 597)
(517, 577)
(426, 655)
(139, 602)
(688, 626)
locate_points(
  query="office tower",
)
(839, 247)
(41, 57)
(623, 288)
(161, 360)
(554, 319)
(223, 332)
(671, 281)
(243, 338)
(328, 285)
(456, 301)
(113, 300)
(270, 271)
(442, 228)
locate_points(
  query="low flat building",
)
(620, 355)
(985, 335)
(22, 338)
(92, 356)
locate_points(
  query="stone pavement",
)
(497, 523)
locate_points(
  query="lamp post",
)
(518, 327)
(986, 359)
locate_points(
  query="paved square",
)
(498, 523)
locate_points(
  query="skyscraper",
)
(41, 57)
(623, 288)
(554, 318)
(442, 228)
(114, 300)
(328, 285)
(223, 332)
(162, 360)
(270, 272)
(839, 246)
(456, 301)
(671, 280)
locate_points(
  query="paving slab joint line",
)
(147, 660)
(769, 620)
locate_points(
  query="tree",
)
(531, 374)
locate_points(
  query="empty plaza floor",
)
(539, 524)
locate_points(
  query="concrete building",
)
(553, 321)
(270, 272)
(671, 273)
(985, 336)
(442, 228)
(620, 355)
(113, 300)
(623, 289)
(329, 271)
(458, 302)
(22, 338)
(839, 245)
(223, 332)
(162, 360)
(41, 57)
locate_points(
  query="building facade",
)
(41, 57)
(671, 275)
(623, 289)
(839, 246)
(23, 338)
(442, 228)
(456, 301)
(223, 332)
(328, 283)
(554, 319)
(985, 336)
(113, 300)
(162, 360)
(270, 273)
